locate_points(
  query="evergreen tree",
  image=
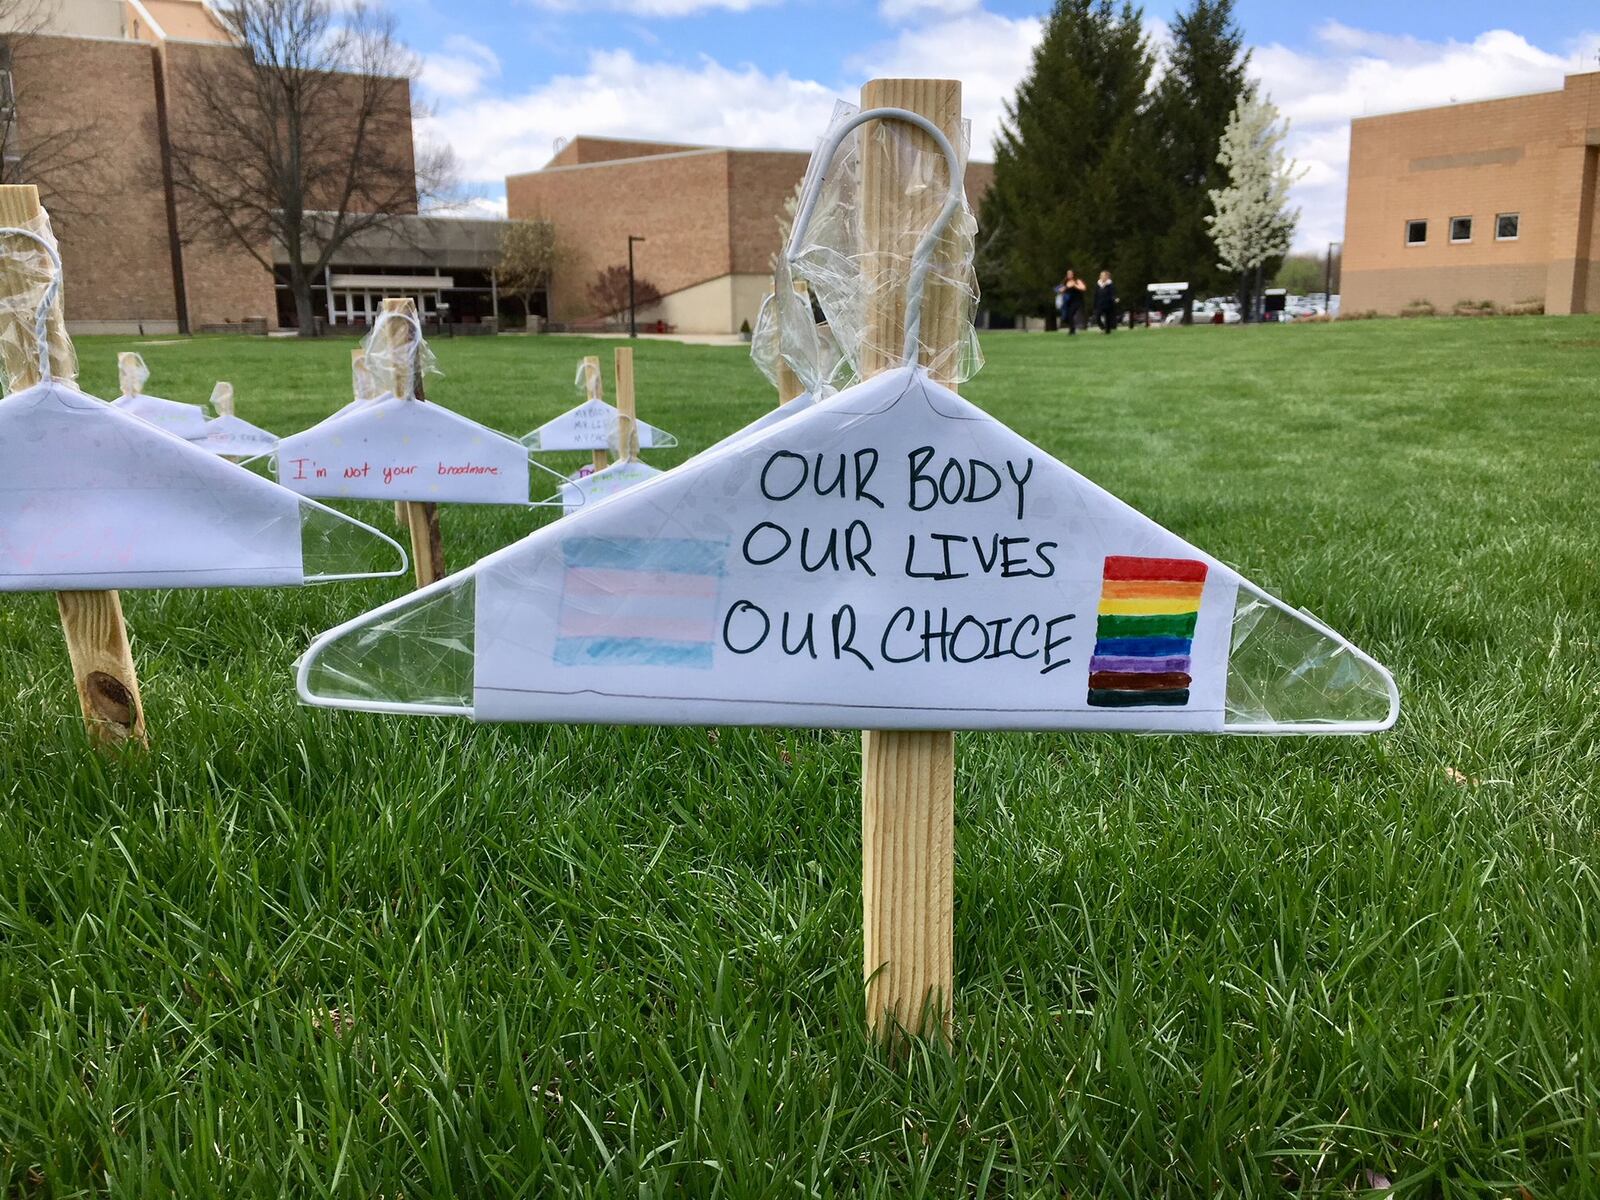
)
(1073, 162)
(1204, 81)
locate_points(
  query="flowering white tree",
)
(1252, 221)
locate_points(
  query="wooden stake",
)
(97, 638)
(907, 778)
(789, 385)
(421, 517)
(596, 389)
(627, 414)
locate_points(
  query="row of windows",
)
(1506, 228)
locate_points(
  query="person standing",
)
(1069, 300)
(1105, 303)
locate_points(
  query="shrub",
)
(1531, 307)
(1474, 308)
(1419, 308)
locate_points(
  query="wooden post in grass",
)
(627, 412)
(596, 391)
(907, 778)
(97, 639)
(421, 517)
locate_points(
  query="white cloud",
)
(902, 10)
(707, 102)
(459, 70)
(620, 96)
(1353, 73)
(654, 8)
(987, 52)
(1345, 73)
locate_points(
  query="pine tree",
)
(1204, 80)
(1252, 222)
(1073, 162)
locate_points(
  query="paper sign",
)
(187, 421)
(92, 497)
(592, 426)
(392, 449)
(889, 558)
(234, 437)
(893, 558)
(583, 490)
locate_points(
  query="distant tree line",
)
(1102, 164)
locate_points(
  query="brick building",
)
(100, 78)
(1493, 200)
(708, 214)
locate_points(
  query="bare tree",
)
(609, 291)
(53, 145)
(529, 255)
(300, 136)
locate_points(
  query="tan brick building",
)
(708, 214)
(101, 79)
(1493, 200)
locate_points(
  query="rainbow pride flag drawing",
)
(649, 602)
(1144, 631)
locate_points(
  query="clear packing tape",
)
(27, 275)
(132, 374)
(395, 356)
(834, 256)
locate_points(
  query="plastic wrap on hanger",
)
(395, 365)
(92, 497)
(787, 332)
(28, 275)
(829, 252)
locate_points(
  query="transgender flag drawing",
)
(1144, 631)
(649, 602)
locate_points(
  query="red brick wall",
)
(108, 207)
(678, 203)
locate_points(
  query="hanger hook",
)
(41, 318)
(922, 256)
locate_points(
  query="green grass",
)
(322, 953)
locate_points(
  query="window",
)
(1460, 229)
(1507, 226)
(1416, 233)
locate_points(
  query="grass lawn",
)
(333, 953)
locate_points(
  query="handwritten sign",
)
(92, 497)
(841, 568)
(591, 426)
(891, 557)
(392, 449)
(584, 490)
(234, 437)
(187, 421)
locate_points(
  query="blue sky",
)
(505, 78)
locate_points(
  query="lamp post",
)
(1327, 281)
(633, 311)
